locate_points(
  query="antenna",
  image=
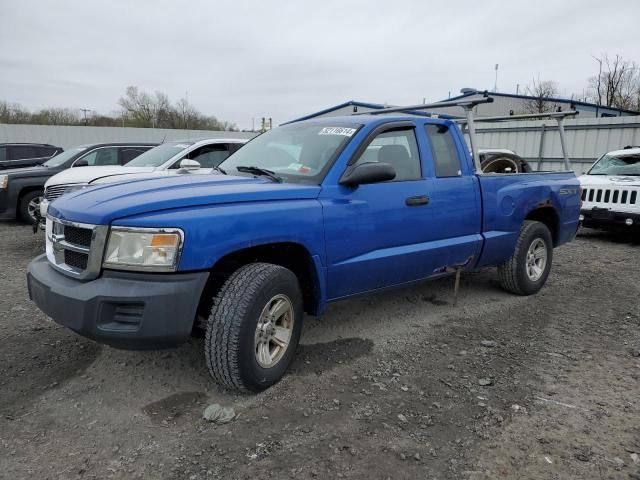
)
(495, 85)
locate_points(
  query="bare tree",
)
(139, 106)
(541, 91)
(617, 84)
(138, 109)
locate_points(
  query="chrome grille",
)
(75, 248)
(55, 191)
(614, 196)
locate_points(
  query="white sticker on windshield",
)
(347, 132)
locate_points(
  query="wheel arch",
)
(548, 216)
(291, 255)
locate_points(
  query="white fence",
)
(539, 141)
(66, 137)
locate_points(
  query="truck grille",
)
(75, 259)
(616, 196)
(74, 248)
(78, 236)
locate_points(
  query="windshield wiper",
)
(219, 169)
(260, 171)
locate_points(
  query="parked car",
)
(611, 192)
(22, 189)
(18, 155)
(305, 214)
(167, 157)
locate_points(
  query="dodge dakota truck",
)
(303, 215)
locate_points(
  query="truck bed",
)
(507, 199)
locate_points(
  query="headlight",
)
(4, 181)
(155, 249)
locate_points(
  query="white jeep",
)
(611, 192)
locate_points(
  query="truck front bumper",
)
(135, 311)
(608, 219)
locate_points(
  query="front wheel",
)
(254, 327)
(526, 271)
(29, 207)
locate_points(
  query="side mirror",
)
(371, 172)
(187, 164)
(81, 163)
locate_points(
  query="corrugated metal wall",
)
(587, 139)
(67, 137)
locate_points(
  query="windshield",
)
(63, 157)
(617, 165)
(297, 152)
(158, 155)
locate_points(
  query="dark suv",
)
(16, 155)
(21, 189)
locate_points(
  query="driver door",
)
(375, 234)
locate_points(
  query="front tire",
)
(526, 271)
(29, 207)
(254, 327)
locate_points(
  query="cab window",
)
(443, 149)
(397, 147)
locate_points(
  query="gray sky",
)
(242, 59)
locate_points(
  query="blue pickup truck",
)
(305, 214)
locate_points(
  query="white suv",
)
(184, 157)
(611, 191)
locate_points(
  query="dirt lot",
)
(400, 385)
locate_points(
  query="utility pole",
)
(85, 110)
(598, 87)
(495, 85)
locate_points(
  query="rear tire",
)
(526, 272)
(28, 208)
(254, 327)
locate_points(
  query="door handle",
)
(417, 201)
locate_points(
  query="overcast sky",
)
(242, 59)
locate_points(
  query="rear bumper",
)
(136, 311)
(607, 219)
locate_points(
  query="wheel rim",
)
(536, 259)
(32, 207)
(274, 331)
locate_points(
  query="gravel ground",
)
(399, 385)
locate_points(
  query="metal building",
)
(512, 104)
(503, 104)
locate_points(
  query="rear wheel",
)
(526, 271)
(29, 206)
(254, 327)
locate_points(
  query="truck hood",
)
(100, 205)
(89, 174)
(609, 181)
(127, 177)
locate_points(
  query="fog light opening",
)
(628, 222)
(581, 218)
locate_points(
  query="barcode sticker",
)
(347, 132)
